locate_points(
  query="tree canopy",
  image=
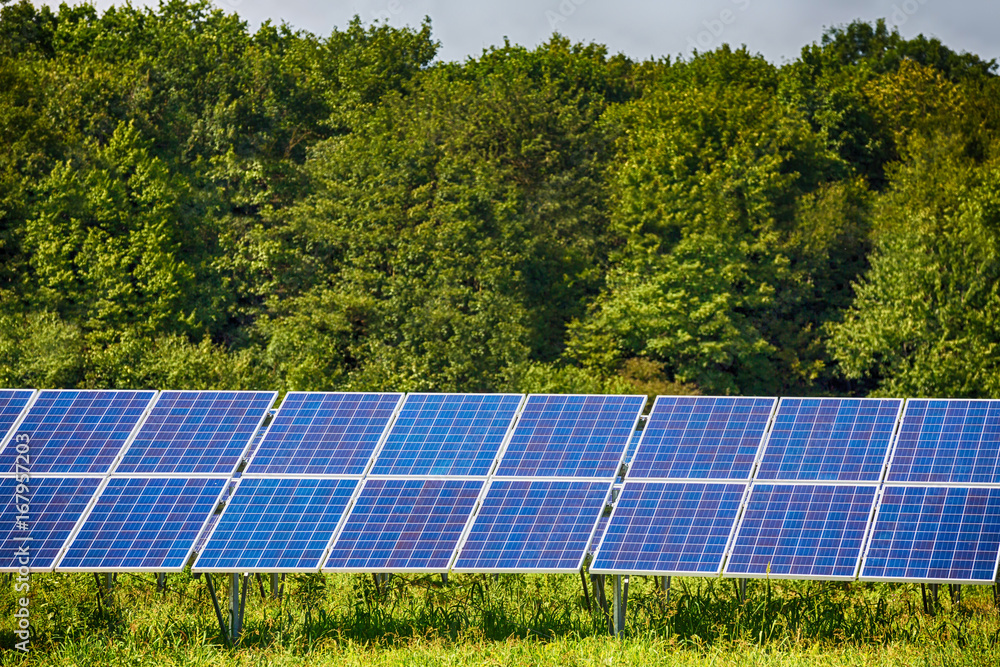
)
(185, 203)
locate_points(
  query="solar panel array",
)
(685, 486)
(78, 431)
(55, 505)
(298, 484)
(12, 404)
(196, 432)
(939, 516)
(541, 509)
(128, 480)
(143, 524)
(826, 457)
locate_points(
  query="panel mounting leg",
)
(956, 593)
(620, 602)
(236, 602)
(274, 586)
(218, 611)
(586, 595)
(161, 582)
(742, 592)
(109, 581)
(665, 588)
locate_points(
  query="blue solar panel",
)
(324, 434)
(404, 525)
(842, 439)
(54, 507)
(571, 436)
(802, 531)
(702, 437)
(543, 526)
(276, 525)
(447, 434)
(197, 432)
(935, 534)
(12, 402)
(143, 524)
(669, 528)
(78, 431)
(948, 441)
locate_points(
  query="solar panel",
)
(942, 534)
(404, 525)
(143, 524)
(826, 439)
(533, 526)
(802, 531)
(78, 431)
(324, 434)
(955, 441)
(196, 432)
(276, 525)
(12, 404)
(447, 434)
(571, 436)
(54, 507)
(669, 528)
(702, 437)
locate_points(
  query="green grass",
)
(508, 620)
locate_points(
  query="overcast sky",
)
(641, 28)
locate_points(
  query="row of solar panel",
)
(528, 522)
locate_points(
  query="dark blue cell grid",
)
(955, 441)
(827, 439)
(935, 534)
(404, 525)
(143, 524)
(702, 437)
(526, 526)
(447, 434)
(571, 436)
(197, 432)
(324, 434)
(78, 431)
(670, 528)
(54, 507)
(277, 524)
(802, 531)
(12, 403)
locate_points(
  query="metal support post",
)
(218, 611)
(586, 595)
(234, 607)
(274, 586)
(444, 578)
(956, 593)
(161, 581)
(743, 590)
(109, 581)
(620, 602)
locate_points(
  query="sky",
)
(777, 29)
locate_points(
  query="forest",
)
(186, 203)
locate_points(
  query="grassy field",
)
(508, 620)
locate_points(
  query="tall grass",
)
(509, 619)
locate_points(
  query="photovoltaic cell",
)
(143, 524)
(12, 402)
(669, 528)
(935, 535)
(702, 437)
(447, 434)
(78, 431)
(55, 506)
(324, 434)
(404, 525)
(276, 524)
(954, 441)
(571, 436)
(196, 432)
(802, 531)
(543, 526)
(826, 439)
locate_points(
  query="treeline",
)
(185, 204)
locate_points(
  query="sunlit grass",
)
(506, 620)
